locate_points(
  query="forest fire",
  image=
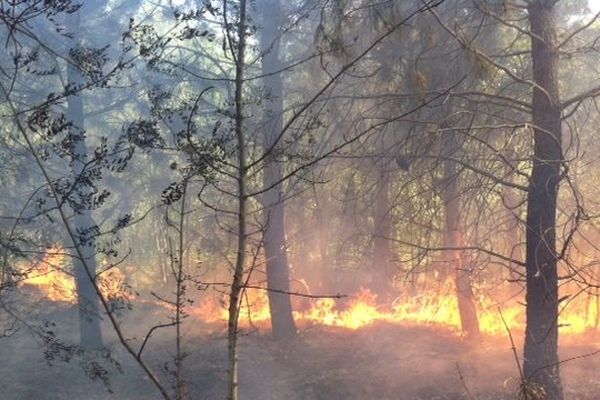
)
(48, 277)
(54, 283)
(429, 308)
(437, 306)
(269, 199)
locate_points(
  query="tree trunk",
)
(512, 228)
(540, 364)
(382, 234)
(237, 283)
(87, 299)
(454, 241)
(322, 217)
(278, 275)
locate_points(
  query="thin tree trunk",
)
(597, 302)
(278, 273)
(237, 284)
(512, 230)
(90, 334)
(540, 364)
(454, 241)
(180, 300)
(382, 234)
(512, 202)
(321, 217)
(161, 250)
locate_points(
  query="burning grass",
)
(353, 348)
(433, 306)
(436, 307)
(54, 282)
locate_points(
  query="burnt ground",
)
(379, 362)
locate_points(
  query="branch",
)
(593, 92)
(429, 5)
(297, 294)
(147, 337)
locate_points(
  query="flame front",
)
(429, 308)
(55, 284)
(434, 306)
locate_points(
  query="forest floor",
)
(380, 362)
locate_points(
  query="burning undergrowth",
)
(434, 305)
(355, 347)
(54, 282)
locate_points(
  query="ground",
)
(378, 362)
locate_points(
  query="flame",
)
(428, 308)
(54, 284)
(361, 311)
(436, 305)
(48, 277)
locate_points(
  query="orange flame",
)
(437, 305)
(428, 308)
(57, 285)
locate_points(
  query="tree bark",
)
(278, 273)
(237, 284)
(321, 217)
(512, 230)
(90, 333)
(454, 241)
(382, 234)
(540, 364)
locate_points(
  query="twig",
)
(155, 327)
(310, 296)
(462, 380)
(513, 347)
